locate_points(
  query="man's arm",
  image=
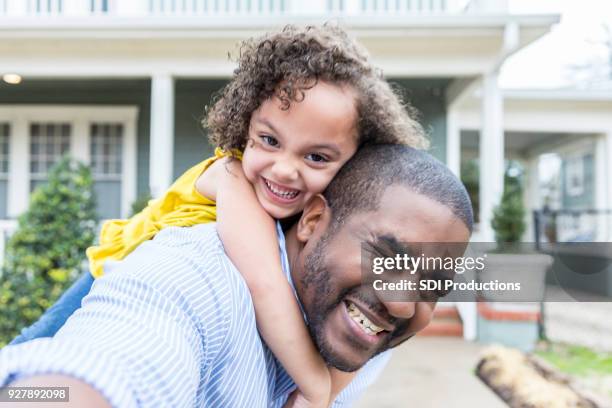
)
(81, 394)
(142, 337)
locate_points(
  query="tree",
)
(597, 72)
(140, 204)
(509, 216)
(47, 251)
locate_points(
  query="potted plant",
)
(511, 317)
(508, 221)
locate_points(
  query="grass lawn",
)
(590, 367)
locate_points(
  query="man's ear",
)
(315, 211)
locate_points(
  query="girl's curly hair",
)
(289, 62)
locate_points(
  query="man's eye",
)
(269, 140)
(317, 158)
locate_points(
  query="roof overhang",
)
(407, 46)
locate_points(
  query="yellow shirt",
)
(181, 206)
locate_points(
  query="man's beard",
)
(317, 279)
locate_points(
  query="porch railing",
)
(212, 7)
(561, 226)
(184, 8)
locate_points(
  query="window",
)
(48, 143)
(106, 141)
(4, 167)
(574, 177)
(4, 149)
(34, 138)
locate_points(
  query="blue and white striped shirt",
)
(172, 325)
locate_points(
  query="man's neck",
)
(292, 246)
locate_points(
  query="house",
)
(563, 141)
(122, 85)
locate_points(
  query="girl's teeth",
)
(281, 192)
(366, 325)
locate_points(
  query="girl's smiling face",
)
(293, 154)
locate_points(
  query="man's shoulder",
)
(183, 249)
(185, 270)
(202, 235)
(186, 259)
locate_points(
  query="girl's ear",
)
(315, 212)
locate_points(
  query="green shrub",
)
(509, 216)
(140, 203)
(46, 252)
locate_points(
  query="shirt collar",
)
(283, 382)
(285, 264)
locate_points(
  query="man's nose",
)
(401, 310)
(284, 169)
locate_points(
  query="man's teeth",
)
(363, 322)
(283, 192)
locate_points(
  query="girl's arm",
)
(249, 235)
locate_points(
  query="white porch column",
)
(453, 142)
(491, 153)
(162, 134)
(469, 317)
(607, 180)
(130, 169)
(19, 168)
(456, 93)
(600, 181)
(532, 195)
(80, 140)
(601, 176)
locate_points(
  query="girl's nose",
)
(284, 170)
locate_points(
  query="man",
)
(174, 325)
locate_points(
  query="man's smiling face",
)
(326, 269)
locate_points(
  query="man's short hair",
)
(361, 182)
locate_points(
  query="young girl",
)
(299, 105)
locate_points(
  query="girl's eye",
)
(317, 158)
(269, 140)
